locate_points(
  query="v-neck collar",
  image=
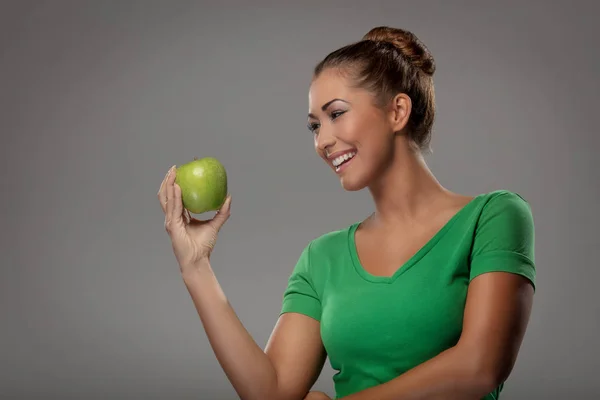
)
(415, 258)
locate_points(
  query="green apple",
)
(203, 184)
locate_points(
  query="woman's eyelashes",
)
(336, 114)
(313, 126)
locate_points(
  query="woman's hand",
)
(193, 240)
(317, 396)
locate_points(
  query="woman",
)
(427, 298)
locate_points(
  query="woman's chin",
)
(351, 185)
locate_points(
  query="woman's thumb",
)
(223, 213)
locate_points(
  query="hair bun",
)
(407, 43)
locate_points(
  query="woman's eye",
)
(336, 114)
(313, 126)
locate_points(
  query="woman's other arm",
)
(286, 369)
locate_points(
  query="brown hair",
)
(388, 61)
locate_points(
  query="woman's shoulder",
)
(504, 194)
(499, 208)
(332, 240)
(505, 219)
(503, 199)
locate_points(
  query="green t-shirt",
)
(376, 328)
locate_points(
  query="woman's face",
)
(352, 135)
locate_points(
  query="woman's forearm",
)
(452, 375)
(246, 365)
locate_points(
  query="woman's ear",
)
(400, 108)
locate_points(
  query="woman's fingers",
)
(177, 203)
(188, 216)
(170, 192)
(223, 214)
(162, 191)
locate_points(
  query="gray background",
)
(98, 99)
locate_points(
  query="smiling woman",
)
(427, 298)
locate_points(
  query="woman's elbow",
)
(485, 371)
(487, 376)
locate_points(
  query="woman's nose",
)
(324, 140)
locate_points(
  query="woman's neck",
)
(406, 190)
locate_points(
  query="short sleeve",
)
(300, 295)
(504, 238)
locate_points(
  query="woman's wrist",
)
(196, 270)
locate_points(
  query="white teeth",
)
(338, 160)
